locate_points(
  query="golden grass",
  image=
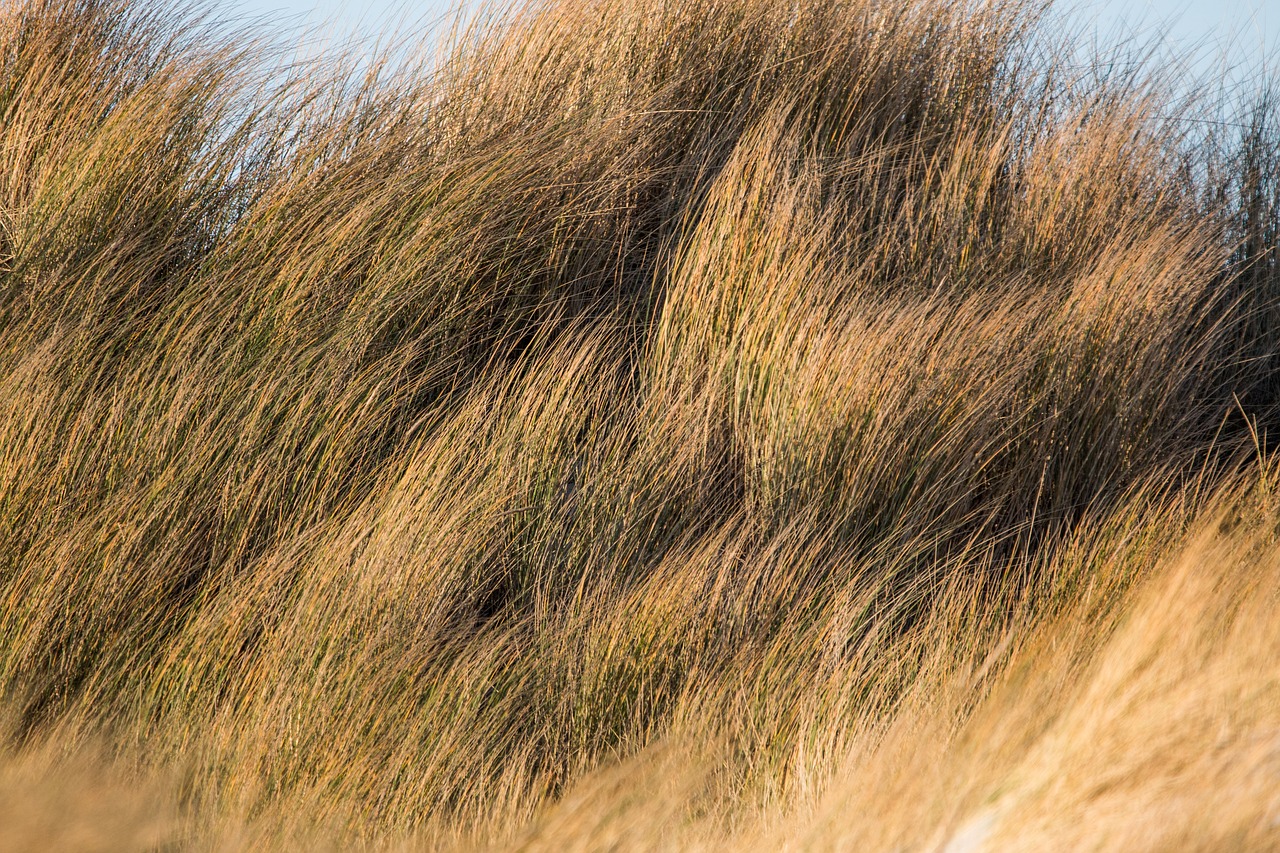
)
(754, 424)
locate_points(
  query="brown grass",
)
(764, 423)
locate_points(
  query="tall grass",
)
(634, 425)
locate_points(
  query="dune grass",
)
(778, 424)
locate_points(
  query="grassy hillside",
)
(729, 424)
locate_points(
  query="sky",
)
(1239, 32)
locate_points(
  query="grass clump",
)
(752, 423)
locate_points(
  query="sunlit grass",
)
(753, 424)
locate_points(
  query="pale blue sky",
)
(1241, 31)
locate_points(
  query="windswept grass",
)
(760, 423)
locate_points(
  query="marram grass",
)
(749, 424)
